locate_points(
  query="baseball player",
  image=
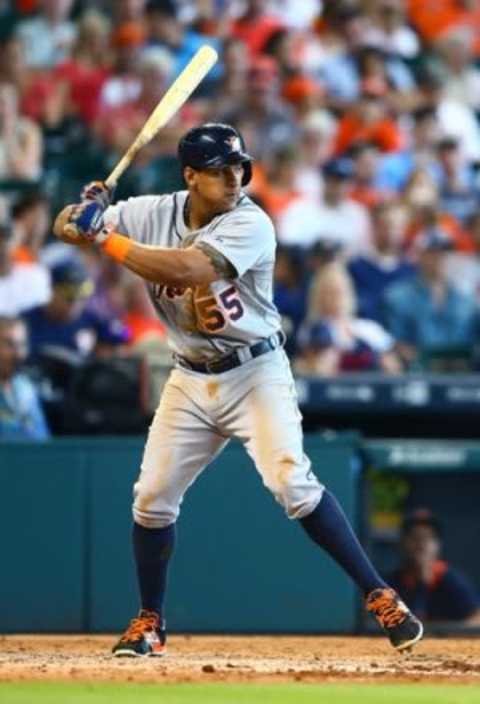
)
(207, 254)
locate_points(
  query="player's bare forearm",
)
(176, 267)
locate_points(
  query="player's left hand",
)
(99, 192)
(87, 218)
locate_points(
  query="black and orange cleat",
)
(402, 627)
(145, 635)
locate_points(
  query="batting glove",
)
(98, 192)
(87, 217)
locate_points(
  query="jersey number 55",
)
(214, 317)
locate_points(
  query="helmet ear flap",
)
(247, 172)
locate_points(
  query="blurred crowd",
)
(364, 120)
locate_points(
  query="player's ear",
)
(189, 175)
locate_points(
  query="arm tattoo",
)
(220, 263)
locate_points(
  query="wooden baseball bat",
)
(178, 93)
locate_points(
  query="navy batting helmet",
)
(214, 145)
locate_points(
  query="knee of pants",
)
(153, 510)
(297, 490)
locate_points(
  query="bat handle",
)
(111, 183)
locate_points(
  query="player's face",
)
(217, 188)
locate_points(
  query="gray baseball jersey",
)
(208, 322)
(254, 402)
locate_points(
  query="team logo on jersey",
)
(234, 143)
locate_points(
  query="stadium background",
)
(363, 118)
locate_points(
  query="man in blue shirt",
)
(385, 264)
(21, 416)
(426, 313)
(433, 589)
(165, 28)
(65, 322)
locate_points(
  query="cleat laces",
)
(389, 610)
(138, 626)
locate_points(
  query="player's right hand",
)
(99, 192)
(87, 218)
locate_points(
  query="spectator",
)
(24, 285)
(255, 26)
(48, 37)
(332, 340)
(155, 168)
(339, 216)
(301, 221)
(64, 322)
(430, 586)
(20, 140)
(368, 121)
(296, 16)
(436, 19)
(365, 162)
(385, 263)
(123, 85)
(88, 68)
(127, 11)
(455, 119)
(421, 197)
(426, 314)
(281, 47)
(21, 416)
(30, 223)
(289, 293)
(383, 72)
(463, 268)
(342, 71)
(456, 181)
(264, 120)
(139, 315)
(164, 29)
(35, 89)
(232, 87)
(274, 185)
(315, 147)
(396, 168)
(303, 94)
(461, 79)
(390, 30)
(323, 252)
(118, 126)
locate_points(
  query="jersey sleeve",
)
(132, 217)
(245, 237)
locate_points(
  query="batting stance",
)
(208, 254)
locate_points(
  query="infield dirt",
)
(239, 659)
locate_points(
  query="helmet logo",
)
(234, 143)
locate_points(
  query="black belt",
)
(236, 358)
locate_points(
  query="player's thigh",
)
(268, 422)
(181, 442)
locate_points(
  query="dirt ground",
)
(239, 659)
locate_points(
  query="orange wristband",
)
(117, 247)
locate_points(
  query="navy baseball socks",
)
(329, 528)
(146, 634)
